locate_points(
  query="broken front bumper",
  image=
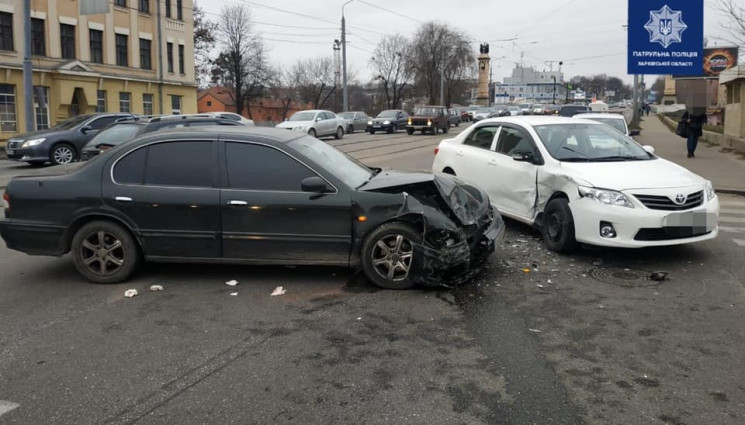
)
(458, 263)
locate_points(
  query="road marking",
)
(731, 220)
(735, 212)
(732, 229)
(740, 242)
(7, 406)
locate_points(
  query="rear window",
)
(116, 134)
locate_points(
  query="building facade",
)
(112, 62)
(530, 92)
(265, 110)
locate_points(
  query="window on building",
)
(181, 69)
(100, 100)
(67, 40)
(121, 50)
(6, 31)
(41, 107)
(38, 46)
(176, 105)
(8, 108)
(180, 10)
(147, 104)
(145, 62)
(169, 56)
(120, 3)
(125, 102)
(145, 6)
(168, 8)
(96, 42)
(193, 168)
(209, 103)
(254, 167)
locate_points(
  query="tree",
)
(391, 66)
(315, 80)
(242, 65)
(204, 44)
(284, 87)
(734, 24)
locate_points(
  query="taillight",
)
(6, 201)
(437, 150)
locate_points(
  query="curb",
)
(731, 192)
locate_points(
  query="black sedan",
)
(390, 121)
(252, 196)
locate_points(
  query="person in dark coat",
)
(695, 124)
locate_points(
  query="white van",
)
(598, 107)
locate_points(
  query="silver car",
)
(354, 120)
(315, 122)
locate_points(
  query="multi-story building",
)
(118, 61)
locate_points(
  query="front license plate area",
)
(692, 219)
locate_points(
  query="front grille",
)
(669, 233)
(419, 121)
(14, 144)
(664, 203)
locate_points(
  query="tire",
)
(558, 227)
(339, 133)
(105, 252)
(391, 130)
(372, 131)
(389, 267)
(409, 131)
(446, 129)
(457, 124)
(312, 132)
(350, 129)
(62, 153)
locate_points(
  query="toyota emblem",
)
(680, 199)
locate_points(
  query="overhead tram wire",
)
(390, 11)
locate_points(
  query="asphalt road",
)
(576, 339)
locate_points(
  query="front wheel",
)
(446, 129)
(558, 227)
(105, 252)
(372, 131)
(312, 132)
(391, 130)
(388, 253)
(409, 131)
(62, 154)
(339, 133)
(350, 129)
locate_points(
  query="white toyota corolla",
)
(580, 181)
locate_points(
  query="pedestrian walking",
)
(647, 108)
(695, 128)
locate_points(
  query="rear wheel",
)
(558, 227)
(339, 133)
(388, 253)
(62, 154)
(312, 132)
(105, 252)
(446, 129)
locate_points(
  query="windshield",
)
(347, 115)
(303, 116)
(513, 108)
(388, 114)
(589, 143)
(336, 162)
(115, 135)
(616, 124)
(427, 111)
(525, 106)
(72, 122)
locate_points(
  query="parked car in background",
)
(61, 144)
(580, 181)
(354, 120)
(124, 131)
(471, 111)
(428, 119)
(615, 121)
(454, 117)
(390, 121)
(234, 117)
(316, 123)
(526, 108)
(514, 110)
(552, 109)
(538, 109)
(464, 116)
(197, 195)
(598, 106)
(571, 110)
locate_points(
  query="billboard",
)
(666, 37)
(718, 59)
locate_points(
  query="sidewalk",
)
(725, 170)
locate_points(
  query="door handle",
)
(238, 203)
(123, 199)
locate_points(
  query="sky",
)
(586, 35)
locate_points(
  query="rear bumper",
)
(33, 239)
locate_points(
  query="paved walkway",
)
(726, 170)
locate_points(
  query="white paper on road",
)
(7, 406)
(278, 291)
(129, 293)
(155, 288)
(231, 282)
(233, 294)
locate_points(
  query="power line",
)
(360, 48)
(390, 11)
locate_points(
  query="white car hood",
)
(625, 175)
(293, 124)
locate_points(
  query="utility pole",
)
(635, 103)
(344, 57)
(28, 87)
(337, 65)
(442, 86)
(554, 101)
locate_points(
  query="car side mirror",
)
(649, 148)
(319, 119)
(635, 132)
(524, 156)
(315, 185)
(86, 129)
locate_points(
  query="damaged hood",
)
(467, 202)
(624, 175)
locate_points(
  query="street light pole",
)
(554, 101)
(344, 57)
(27, 70)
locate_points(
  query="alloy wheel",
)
(63, 155)
(555, 222)
(391, 257)
(102, 252)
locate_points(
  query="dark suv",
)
(126, 130)
(62, 143)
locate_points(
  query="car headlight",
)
(386, 122)
(710, 194)
(369, 123)
(607, 197)
(409, 122)
(299, 128)
(32, 142)
(429, 122)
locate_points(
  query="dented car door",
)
(516, 161)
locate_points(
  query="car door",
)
(473, 155)
(402, 120)
(514, 182)
(167, 190)
(267, 217)
(329, 123)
